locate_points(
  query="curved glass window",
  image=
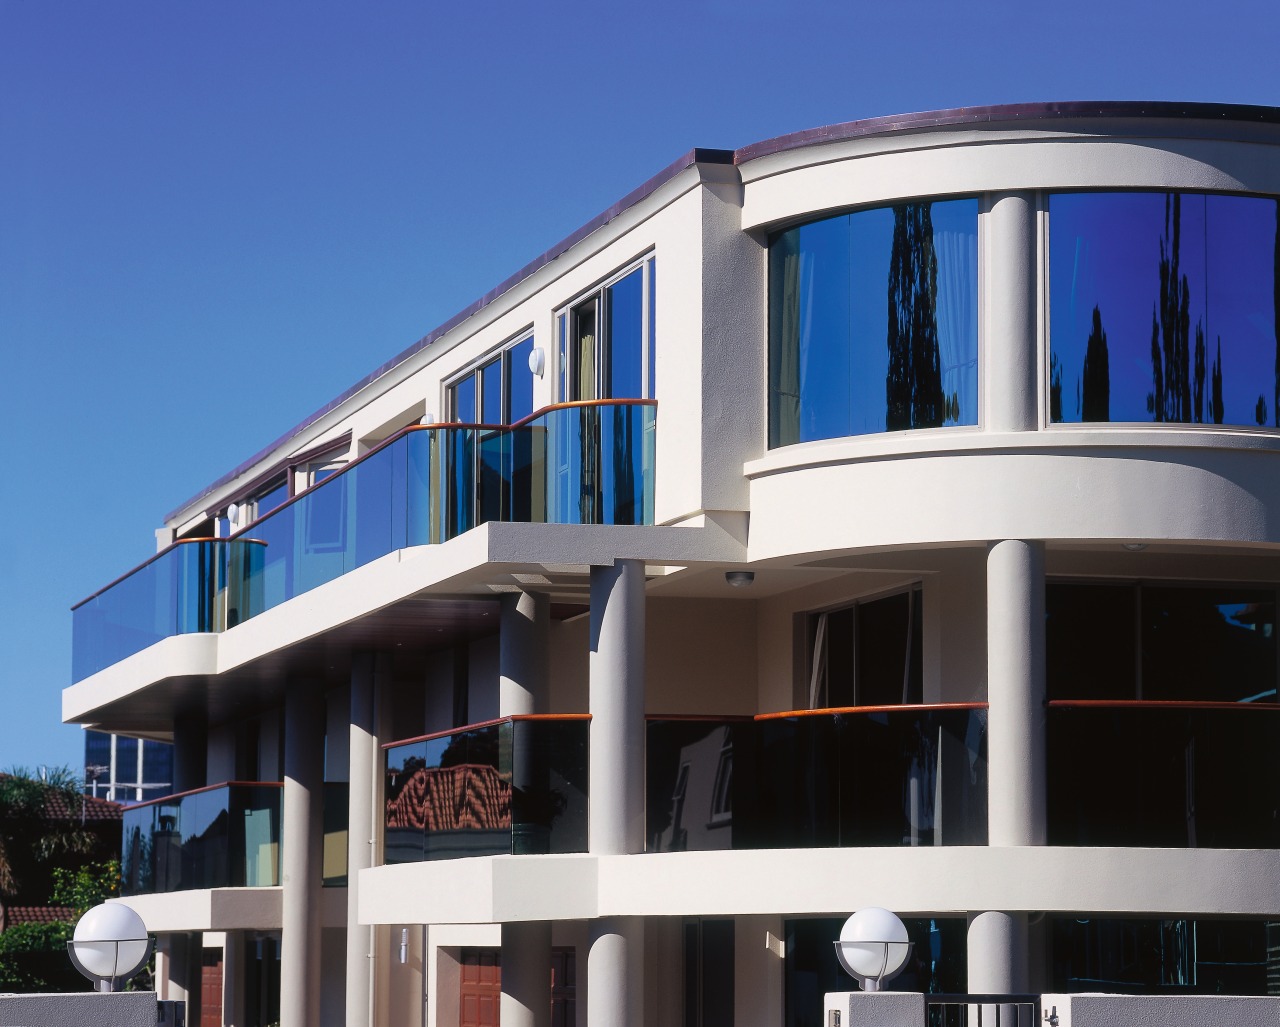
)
(873, 322)
(1163, 307)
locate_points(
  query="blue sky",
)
(216, 216)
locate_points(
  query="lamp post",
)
(110, 945)
(873, 947)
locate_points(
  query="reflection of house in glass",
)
(946, 580)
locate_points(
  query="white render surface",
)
(1163, 1010)
(933, 879)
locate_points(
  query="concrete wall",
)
(81, 1009)
(1162, 1010)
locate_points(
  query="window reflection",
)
(873, 322)
(1162, 308)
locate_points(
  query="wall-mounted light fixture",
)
(1134, 547)
(740, 579)
(537, 361)
(404, 945)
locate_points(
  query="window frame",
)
(500, 355)
(566, 365)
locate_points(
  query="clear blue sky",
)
(214, 216)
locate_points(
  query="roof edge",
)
(1010, 113)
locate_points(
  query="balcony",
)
(871, 776)
(511, 786)
(867, 776)
(225, 836)
(1164, 774)
(575, 463)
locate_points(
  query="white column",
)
(997, 950)
(364, 758)
(615, 972)
(523, 658)
(1016, 693)
(526, 974)
(301, 844)
(523, 654)
(1009, 313)
(617, 708)
(615, 960)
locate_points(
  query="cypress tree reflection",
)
(873, 322)
(913, 386)
(1214, 298)
(1097, 375)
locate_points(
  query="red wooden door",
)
(480, 988)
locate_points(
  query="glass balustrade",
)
(227, 836)
(583, 463)
(911, 775)
(1164, 774)
(511, 786)
(185, 589)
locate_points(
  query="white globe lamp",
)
(873, 947)
(110, 945)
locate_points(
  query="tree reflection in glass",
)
(1163, 308)
(873, 322)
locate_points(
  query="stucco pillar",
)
(997, 951)
(364, 758)
(617, 708)
(523, 657)
(615, 972)
(301, 843)
(1016, 693)
(615, 959)
(523, 654)
(1009, 313)
(526, 974)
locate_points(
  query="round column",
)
(617, 708)
(523, 654)
(301, 848)
(997, 951)
(526, 974)
(1016, 738)
(1009, 294)
(364, 763)
(615, 972)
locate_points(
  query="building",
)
(885, 514)
(125, 769)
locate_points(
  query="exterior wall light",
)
(1134, 547)
(873, 947)
(537, 361)
(740, 579)
(110, 945)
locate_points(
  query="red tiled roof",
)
(39, 915)
(94, 810)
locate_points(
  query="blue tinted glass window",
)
(1163, 308)
(157, 763)
(491, 393)
(464, 400)
(653, 329)
(126, 759)
(272, 497)
(873, 322)
(97, 749)
(519, 381)
(625, 332)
